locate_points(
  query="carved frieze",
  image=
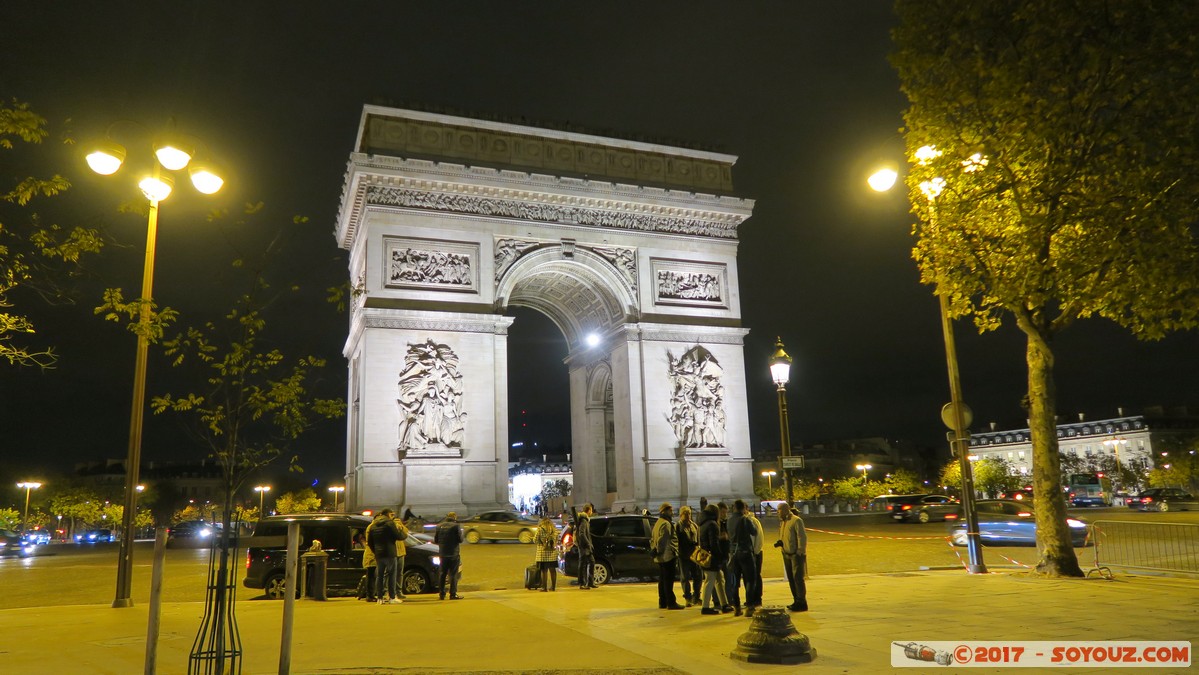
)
(432, 422)
(430, 264)
(697, 412)
(386, 195)
(679, 282)
(623, 259)
(508, 251)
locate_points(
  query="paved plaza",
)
(854, 621)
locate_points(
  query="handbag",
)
(701, 557)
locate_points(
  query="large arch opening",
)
(585, 301)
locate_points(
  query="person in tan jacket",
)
(793, 540)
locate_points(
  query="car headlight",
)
(205, 532)
(437, 560)
(1075, 523)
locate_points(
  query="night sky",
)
(801, 92)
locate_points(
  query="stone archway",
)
(629, 248)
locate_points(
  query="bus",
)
(1089, 489)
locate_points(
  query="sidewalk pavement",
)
(617, 629)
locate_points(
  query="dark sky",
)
(801, 92)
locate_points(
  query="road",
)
(69, 574)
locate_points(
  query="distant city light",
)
(518, 444)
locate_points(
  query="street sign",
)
(791, 462)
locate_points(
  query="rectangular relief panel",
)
(690, 284)
(430, 264)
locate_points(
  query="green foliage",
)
(250, 401)
(991, 475)
(79, 504)
(10, 519)
(1180, 471)
(902, 481)
(1065, 179)
(300, 501)
(556, 488)
(33, 254)
(206, 512)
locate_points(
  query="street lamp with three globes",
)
(173, 153)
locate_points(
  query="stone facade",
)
(449, 221)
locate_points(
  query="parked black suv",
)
(266, 554)
(621, 543)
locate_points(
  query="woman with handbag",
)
(546, 541)
(709, 543)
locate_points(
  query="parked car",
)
(266, 554)
(12, 543)
(888, 503)
(95, 537)
(621, 546)
(496, 525)
(924, 508)
(1164, 499)
(1006, 522)
(192, 534)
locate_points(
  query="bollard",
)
(821, 508)
(806, 509)
(772, 638)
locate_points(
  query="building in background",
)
(1132, 441)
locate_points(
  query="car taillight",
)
(951, 516)
(247, 561)
(907, 507)
(1146, 500)
(890, 507)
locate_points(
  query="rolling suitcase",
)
(532, 578)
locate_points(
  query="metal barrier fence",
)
(1154, 547)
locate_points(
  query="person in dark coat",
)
(381, 536)
(742, 564)
(709, 540)
(586, 550)
(448, 537)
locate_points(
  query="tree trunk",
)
(1053, 535)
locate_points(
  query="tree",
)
(32, 252)
(300, 501)
(10, 519)
(1062, 159)
(991, 475)
(902, 481)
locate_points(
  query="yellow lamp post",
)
(769, 480)
(780, 372)
(261, 490)
(336, 490)
(864, 468)
(106, 158)
(955, 415)
(28, 486)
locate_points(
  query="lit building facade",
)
(1131, 440)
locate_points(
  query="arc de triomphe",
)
(630, 248)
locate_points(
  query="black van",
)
(266, 554)
(621, 547)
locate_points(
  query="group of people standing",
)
(731, 546)
(385, 550)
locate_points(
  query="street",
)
(70, 574)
